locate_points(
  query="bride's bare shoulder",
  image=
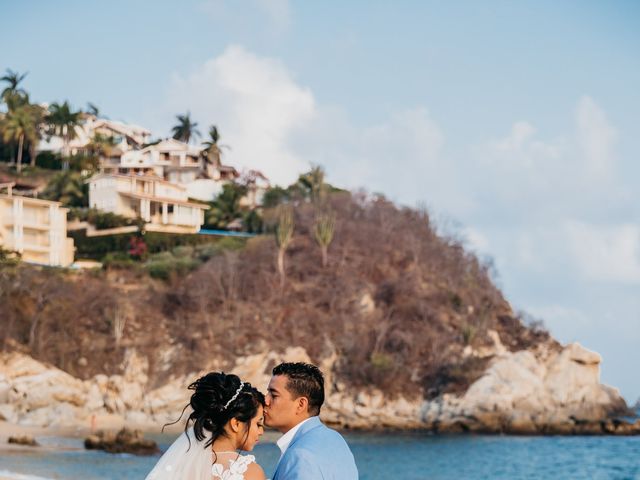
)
(254, 472)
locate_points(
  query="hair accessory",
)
(235, 395)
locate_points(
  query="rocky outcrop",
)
(125, 441)
(24, 440)
(523, 392)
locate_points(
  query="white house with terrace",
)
(37, 229)
(163, 206)
(176, 162)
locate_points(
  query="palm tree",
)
(226, 207)
(16, 126)
(212, 149)
(15, 99)
(186, 129)
(63, 122)
(13, 79)
(38, 116)
(68, 188)
(92, 109)
(100, 147)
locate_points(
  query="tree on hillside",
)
(100, 147)
(15, 99)
(212, 149)
(16, 126)
(226, 207)
(323, 231)
(69, 188)
(311, 185)
(13, 79)
(185, 130)
(284, 234)
(63, 122)
(92, 109)
(38, 118)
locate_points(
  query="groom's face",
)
(282, 410)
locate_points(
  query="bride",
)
(227, 417)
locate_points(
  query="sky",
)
(517, 124)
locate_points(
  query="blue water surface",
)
(384, 456)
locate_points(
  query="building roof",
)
(124, 128)
(153, 198)
(172, 145)
(37, 201)
(136, 177)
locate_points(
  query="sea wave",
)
(6, 474)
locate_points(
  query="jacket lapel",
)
(312, 423)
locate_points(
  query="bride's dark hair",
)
(214, 402)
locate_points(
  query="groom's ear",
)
(302, 405)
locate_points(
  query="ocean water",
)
(380, 456)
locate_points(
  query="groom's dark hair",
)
(304, 380)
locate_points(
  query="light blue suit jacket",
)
(316, 453)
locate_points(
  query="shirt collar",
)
(285, 440)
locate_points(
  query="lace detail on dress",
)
(237, 468)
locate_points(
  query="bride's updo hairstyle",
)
(217, 398)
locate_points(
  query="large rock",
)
(537, 391)
(125, 441)
(523, 393)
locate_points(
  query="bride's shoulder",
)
(254, 471)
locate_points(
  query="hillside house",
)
(35, 228)
(162, 205)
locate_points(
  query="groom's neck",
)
(298, 421)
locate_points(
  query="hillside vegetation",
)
(395, 302)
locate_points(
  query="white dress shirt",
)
(285, 440)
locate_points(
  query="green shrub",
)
(183, 251)
(118, 260)
(381, 361)
(97, 247)
(165, 269)
(105, 220)
(468, 333)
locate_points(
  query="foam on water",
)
(20, 476)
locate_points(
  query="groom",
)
(310, 450)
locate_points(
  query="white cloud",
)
(255, 103)
(605, 253)
(274, 124)
(520, 148)
(596, 137)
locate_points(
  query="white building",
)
(126, 137)
(37, 229)
(164, 206)
(175, 161)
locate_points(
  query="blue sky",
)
(516, 123)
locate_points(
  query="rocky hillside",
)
(395, 309)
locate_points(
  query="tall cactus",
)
(284, 234)
(324, 230)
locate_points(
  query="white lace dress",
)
(232, 468)
(187, 459)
